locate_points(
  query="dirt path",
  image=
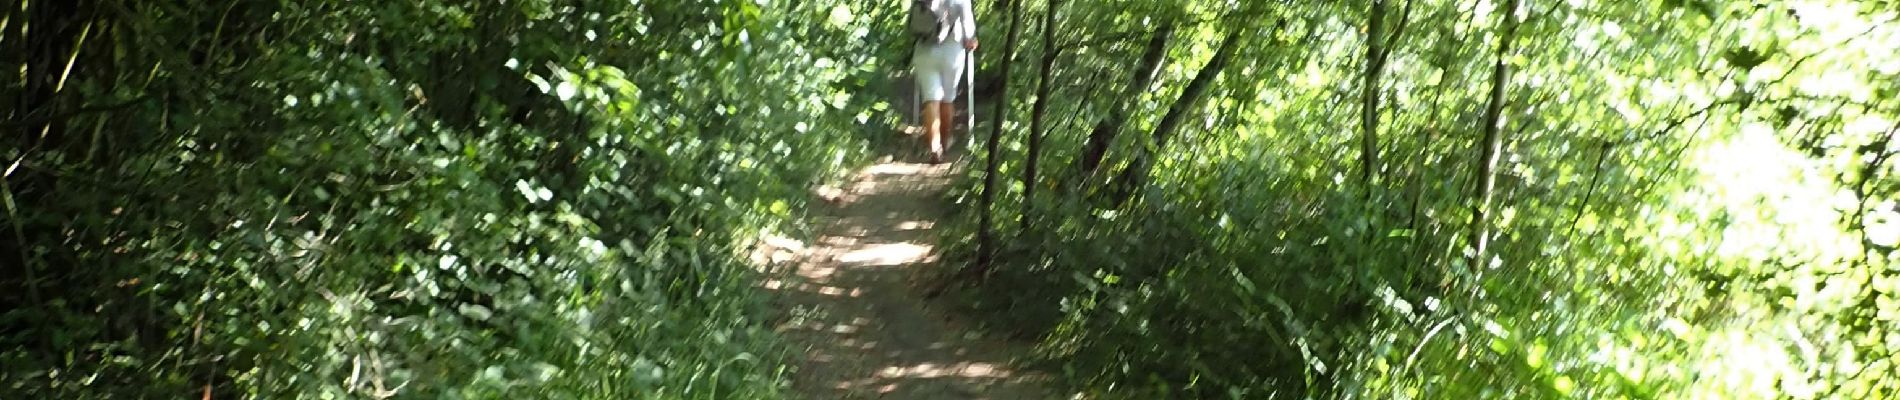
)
(856, 303)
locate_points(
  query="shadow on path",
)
(857, 309)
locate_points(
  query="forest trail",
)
(855, 303)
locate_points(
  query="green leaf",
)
(1744, 57)
(1534, 355)
(475, 311)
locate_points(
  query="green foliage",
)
(553, 198)
(526, 199)
(1684, 209)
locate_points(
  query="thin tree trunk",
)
(1136, 173)
(1144, 75)
(1369, 96)
(1493, 137)
(1379, 47)
(1195, 90)
(1049, 54)
(986, 235)
(53, 35)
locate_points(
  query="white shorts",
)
(938, 69)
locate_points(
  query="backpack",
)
(929, 21)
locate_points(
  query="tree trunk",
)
(986, 235)
(1369, 96)
(1493, 138)
(1049, 54)
(1136, 173)
(1144, 75)
(52, 36)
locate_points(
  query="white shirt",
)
(962, 19)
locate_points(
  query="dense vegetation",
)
(1182, 199)
(422, 199)
(1450, 199)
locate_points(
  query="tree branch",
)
(1135, 174)
(1037, 111)
(1493, 138)
(31, 120)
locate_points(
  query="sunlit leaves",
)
(840, 16)
(1677, 186)
(532, 193)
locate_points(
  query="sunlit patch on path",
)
(885, 254)
(859, 317)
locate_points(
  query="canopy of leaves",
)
(1692, 199)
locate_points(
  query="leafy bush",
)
(541, 198)
(1674, 214)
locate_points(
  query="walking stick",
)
(969, 93)
(916, 96)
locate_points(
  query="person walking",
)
(945, 32)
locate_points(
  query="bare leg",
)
(933, 129)
(948, 117)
